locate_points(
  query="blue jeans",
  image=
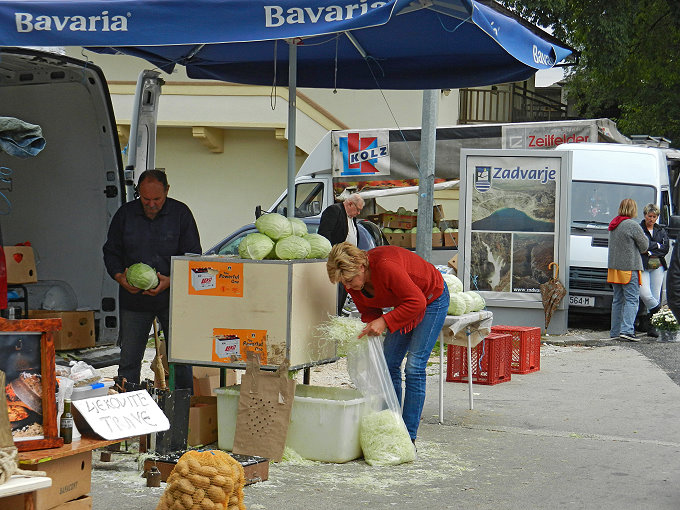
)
(650, 287)
(625, 307)
(134, 334)
(418, 343)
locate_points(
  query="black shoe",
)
(654, 310)
(652, 332)
(628, 338)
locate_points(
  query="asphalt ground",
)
(595, 428)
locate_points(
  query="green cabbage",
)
(449, 230)
(320, 246)
(397, 231)
(255, 246)
(453, 283)
(142, 276)
(292, 247)
(274, 225)
(299, 227)
(401, 211)
(414, 230)
(469, 301)
(457, 304)
(435, 230)
(478, 302)
(385, 440)
(387, 230)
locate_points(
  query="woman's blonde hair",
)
(651, 208)
(628, 207)
(345, 261)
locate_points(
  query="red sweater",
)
(403, 280)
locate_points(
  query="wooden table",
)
(26, 485)
(84, 444)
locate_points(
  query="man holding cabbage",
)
(144, 234)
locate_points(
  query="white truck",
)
(607, 167)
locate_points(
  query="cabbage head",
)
(299, 227)
(453, 283)
(435, 230)
(142, 276)
(397, 231)
(292, 247)
(274, 226)
(255, 246)
(457, 304)
(469, 301)
(478, 302)
(320, 246)
(387, 230)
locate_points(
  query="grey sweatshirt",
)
(626, 242)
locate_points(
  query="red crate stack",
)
(491, 360)
(526, 347)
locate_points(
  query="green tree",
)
(629, 65)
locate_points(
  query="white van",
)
(602, 175)
(62, 199)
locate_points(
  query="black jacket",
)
(658, 244)
(333, 225)
(673, 282)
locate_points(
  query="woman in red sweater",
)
(392, 277)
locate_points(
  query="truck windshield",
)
(308, 200)
(598, 202)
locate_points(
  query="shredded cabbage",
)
(320, 246)
(274, 226)
(385, 440)
(142, 276)
(299, 227)
(255, 246)
(453, 283)
(292, 247)
(343, 331)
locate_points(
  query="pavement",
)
(595, 428)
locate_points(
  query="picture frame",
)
(27, 357)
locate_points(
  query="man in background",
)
(339, 224)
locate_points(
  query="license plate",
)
(582, 301)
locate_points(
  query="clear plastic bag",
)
(83, 374)
(384, 438)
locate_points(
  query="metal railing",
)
(511, 104)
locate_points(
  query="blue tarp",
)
(356, 44)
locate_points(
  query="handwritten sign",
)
(122, 415)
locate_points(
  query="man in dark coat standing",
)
(673, 283)
(339, 224)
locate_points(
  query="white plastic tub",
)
(324, 422)
(98, 389)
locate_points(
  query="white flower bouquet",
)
(664, 320)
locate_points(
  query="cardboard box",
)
(403, 240)
(436, 240)
(403, 222)
(202, 421)
(20, 262)
(71, 479)
(450, 238)
(77, 328)
(207, 379)
(82, 503)
(453, 263)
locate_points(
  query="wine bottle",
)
(66, 423)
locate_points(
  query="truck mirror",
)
(316, 208)
(258, 211)
(674, 226)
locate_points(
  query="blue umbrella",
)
(356, 44)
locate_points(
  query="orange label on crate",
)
(232, 345)
(215, 278)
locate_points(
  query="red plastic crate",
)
(490, 361)
(526, 347)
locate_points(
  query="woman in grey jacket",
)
(627, 241)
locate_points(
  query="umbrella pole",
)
(292, 123)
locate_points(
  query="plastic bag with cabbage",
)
(255, 246)
(274, 226)
(142, 276)
(292, 247)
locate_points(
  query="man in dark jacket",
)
(339, 224)
(339, 221)
(150, 229)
